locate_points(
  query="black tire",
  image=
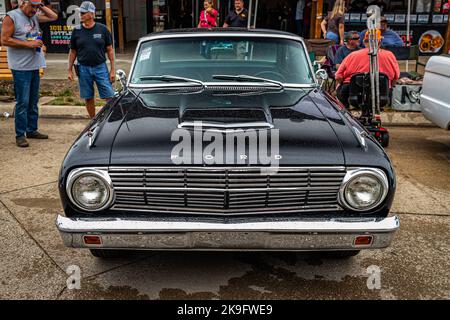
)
(385, 139)
(107, 254)
(341, 254)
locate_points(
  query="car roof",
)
(196, 31)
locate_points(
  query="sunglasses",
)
(355, 39)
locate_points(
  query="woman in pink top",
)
(208, 17)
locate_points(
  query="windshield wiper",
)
(247, 78)
(170, 78)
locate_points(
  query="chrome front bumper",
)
(186, 234)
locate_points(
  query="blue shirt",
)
(390, 39)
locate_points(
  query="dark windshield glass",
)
(201, 58)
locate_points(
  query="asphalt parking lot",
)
(34, 261)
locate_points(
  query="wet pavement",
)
(34, 261)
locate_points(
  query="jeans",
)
(333, 36)
(98, 74)
(26, 91)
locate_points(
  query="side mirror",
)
(122, 76)
(322, 76)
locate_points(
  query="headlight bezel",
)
(354, 173)
(101, 174)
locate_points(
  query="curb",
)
(415, 119)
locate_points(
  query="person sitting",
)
(359, 62)
(351, 43)
(390, 38)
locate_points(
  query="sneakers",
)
(36, 135)
(22, 142)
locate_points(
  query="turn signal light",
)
(363, 240)
(92, 240)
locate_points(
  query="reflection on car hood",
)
(151, 131)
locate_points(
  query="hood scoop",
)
(225, 118)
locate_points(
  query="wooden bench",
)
(5, 73)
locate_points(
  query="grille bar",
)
(226, 191)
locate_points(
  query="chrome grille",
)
(233, 190)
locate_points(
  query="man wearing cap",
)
(351, 43)
(389, 38)
(90, 43)
(21, 34)
(359, 61)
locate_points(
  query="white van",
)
(435, 97)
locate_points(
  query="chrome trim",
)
(361, 136)
(227, 190)
(209, 85)
(203, 124)
(353, 173)
(101, 173)
(193, 234)
(224, 34)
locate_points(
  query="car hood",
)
(150, 134)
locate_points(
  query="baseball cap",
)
(35, 2)
(87, 6)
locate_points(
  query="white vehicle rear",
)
(435, 97)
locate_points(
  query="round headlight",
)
(364, 189)
(90, 190)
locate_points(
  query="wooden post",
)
(120, 27)
(108, 15)
(312, 25)
(319, 14)
(447, 36)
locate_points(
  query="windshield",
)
(203, 58)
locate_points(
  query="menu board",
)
(355, 17)
(347, 17)
(400, 18)
(413, 18)
(438, 18)
(390, 17)
(445, 18)
(422, 18)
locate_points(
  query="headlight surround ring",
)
(98, 173)
(356, 173)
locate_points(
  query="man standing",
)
(299, 17)
(359, 61)
(238, 18)
(89, 43)
(21, 34)
(351, 43)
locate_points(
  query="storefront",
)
(428, 21)
(131, 19)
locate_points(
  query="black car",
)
(224, 140)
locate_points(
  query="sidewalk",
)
(392, 118)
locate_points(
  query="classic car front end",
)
(223, 140)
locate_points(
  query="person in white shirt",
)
(299, 17)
